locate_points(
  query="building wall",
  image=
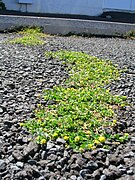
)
(119, 5)
(82, 7)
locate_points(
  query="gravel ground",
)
(24, 73)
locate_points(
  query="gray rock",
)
(87, 155)
(132, 140)
(2, 110)
(84, 172)
(32, 162)
(108, 173)
(80, 178)
(61, 141)
(11, 158)
(63, 161)
(41, 178)
(130, 154)
(52, 157)
(31, 149)
(115, 160)
(18, 155)
(96, 174)
(73, 177)
(43, 155)
(2, 165)
(103, 177)
(20, 164)
(75, 167)
(92, 166)
(15, 168)
(63, 178)
(49, 145)
(21, 174)
(66, 153)
(130, 172)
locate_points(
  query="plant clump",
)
(83, 109)
(30, 36)
(131, 34)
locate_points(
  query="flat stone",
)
(49, 145)
(96, 174)
(31, 149)
(61, 141)
(20, 164)
(2, 165)
(18, 155)
(73, 177)
(87, 155)
(15, 168)
(32, 162)
(92, 165)
(84, 172)
(52, 157)
(103, 177)
(130, 172)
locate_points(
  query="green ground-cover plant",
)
(83, 109)
(131, 34)
(30, 36)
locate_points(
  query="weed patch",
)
(30, 36)
(131, 34)
(83, 109)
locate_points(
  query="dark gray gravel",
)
(24, 73)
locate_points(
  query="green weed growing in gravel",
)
(131, 34)
(30, 36)
(83, 109)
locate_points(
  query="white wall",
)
(82, 7)
(123, 5)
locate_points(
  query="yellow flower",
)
(77, 139)
(114, 121)
(88, 132)
(43, 141)
(97, 142)
(39, 105)
(101, 139)
(36, 111)
(55, 135)
(122, 105)
(21, 124)
(39, 121)
(45, 129)
(126, 134)
(66, 138)
(93, 147)
(43, 124)
(90, 146)
(81, 149)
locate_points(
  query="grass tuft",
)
(83, 109)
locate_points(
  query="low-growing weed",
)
(83, 109)
(30, 36)
(130, 34)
